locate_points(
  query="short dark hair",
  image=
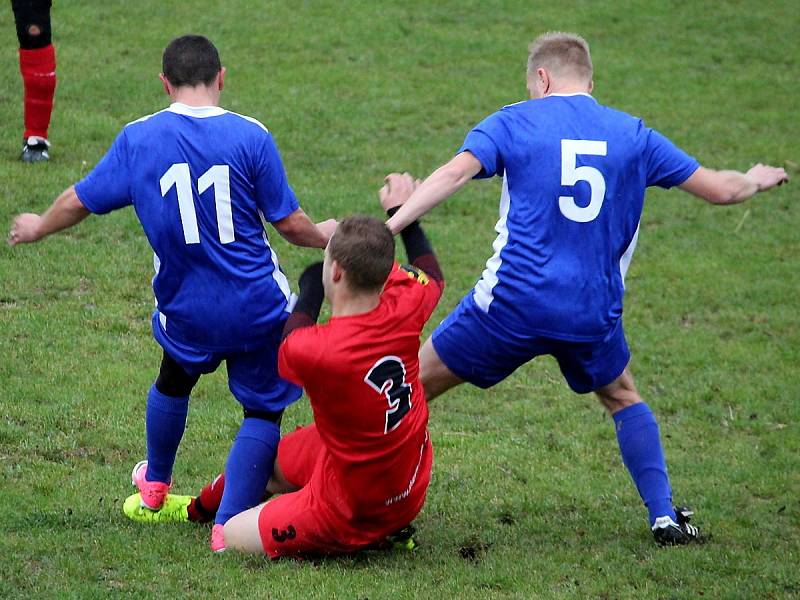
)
(364, 247)
(190, 60)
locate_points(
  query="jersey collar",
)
(569, 95)
(201, 112)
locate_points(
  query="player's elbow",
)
(73, 203)
(294, 227)
(458, 171)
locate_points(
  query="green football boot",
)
(174, 509)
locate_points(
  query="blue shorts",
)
(475, 350)
(252, 376)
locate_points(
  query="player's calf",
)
(242, 533)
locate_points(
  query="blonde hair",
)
(565, 55)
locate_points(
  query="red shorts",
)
(302, 523)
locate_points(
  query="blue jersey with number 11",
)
(201, 179)
(574, 179)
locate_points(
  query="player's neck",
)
(196, 96)
(348, 305)
(565, 87)
(567, 90)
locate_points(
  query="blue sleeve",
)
(667, 165)
(485, 142)
(274, 196)
(107, 186)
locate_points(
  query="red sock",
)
(38, 68)
(204, 507)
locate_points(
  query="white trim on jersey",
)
(573, 94)
(625, 260)
(279, 276)
(483, 289)
(201, 112)
(251, 119)
(144, 118)
(157, 267)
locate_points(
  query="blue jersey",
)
(574, 179)
(202, 181)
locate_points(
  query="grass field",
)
(529, 497)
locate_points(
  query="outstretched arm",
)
(732, 187)
(442, 183)
(397, 190)
(66, 211)
(299, 230)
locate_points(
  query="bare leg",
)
(620, 393)
(241, 532)
(278, 483)
(435, 376)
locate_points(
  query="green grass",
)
(527, 474)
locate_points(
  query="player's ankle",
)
(199, 513)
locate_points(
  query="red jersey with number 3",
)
(361, 374)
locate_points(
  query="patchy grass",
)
(529, 497)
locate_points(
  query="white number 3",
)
(570, 175)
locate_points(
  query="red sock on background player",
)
(203, 508)
(38, 68)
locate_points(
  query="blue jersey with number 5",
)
(574, 179)
(201, 179)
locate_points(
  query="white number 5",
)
(570, 175)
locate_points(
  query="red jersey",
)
(361, 374)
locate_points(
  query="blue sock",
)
(249, 467)
(165, 422)
(640, 445)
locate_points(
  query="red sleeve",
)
(296, 355)
(416, 284)
(433, 293)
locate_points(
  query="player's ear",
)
(221, 78)
(165, 83)
(591, 86)
(543, 80)
(336, 272)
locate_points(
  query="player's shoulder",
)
(515, 107)
(145, 123)
(620, 114)
(248, 120)
(509, 111)
(410, 273)
(408, 282)
(305, 337)
(248, 126)
(305, 344)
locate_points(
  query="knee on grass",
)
(241, 532)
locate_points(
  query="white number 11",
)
(218, 177)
